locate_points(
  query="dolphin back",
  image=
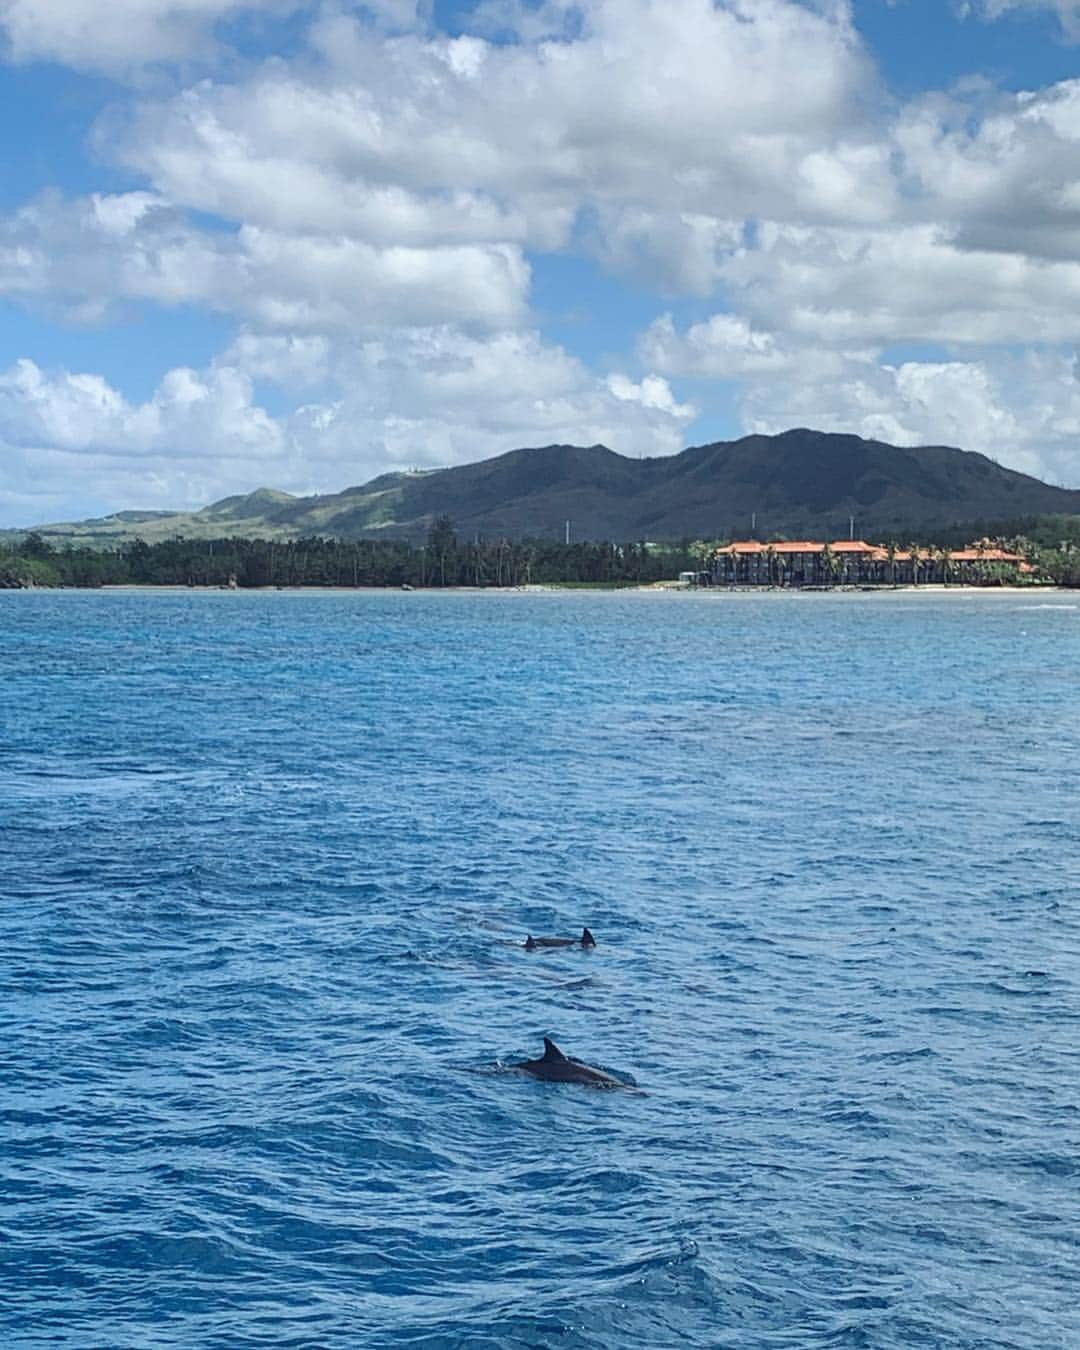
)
(555, 1067)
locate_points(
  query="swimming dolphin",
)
(555, 1067)
(585, 940)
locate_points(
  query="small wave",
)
(252, 1011)
(1052, 1164)
(904, 1056)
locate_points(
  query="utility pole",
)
(851, 527)
(753, 523)
(567, 534)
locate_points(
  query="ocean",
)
(267, 863)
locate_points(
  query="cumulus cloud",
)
(208, 414)
(290, 361)
(672, 252)
(914, 403)
(422, 397)
(652, 392)
(119, 34)
(365, 209)
(1021, 409)
(907, 284)
(727, 347)
(437, 396)
(529, 20)
(119, 37)
(1002, 172)
(200, 431)
(670, 118)
(89, 253)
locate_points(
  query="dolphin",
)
(586, 940)
(555, 1067)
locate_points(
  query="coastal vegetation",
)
(1051, 544)
(443, 560)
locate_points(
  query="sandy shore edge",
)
(541, 588)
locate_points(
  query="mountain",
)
(799, 482)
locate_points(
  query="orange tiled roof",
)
(874, 552)
(742, 546)
(984, 555)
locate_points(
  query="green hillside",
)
(799, 482)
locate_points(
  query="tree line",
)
(443, 560)
(1052, 543)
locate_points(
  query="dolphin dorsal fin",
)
(552, 1051)
(587, 939)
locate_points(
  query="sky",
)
(299, 243)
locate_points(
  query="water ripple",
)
(268, 864)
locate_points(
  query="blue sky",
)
(300, 242)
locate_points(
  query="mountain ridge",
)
(797, 481)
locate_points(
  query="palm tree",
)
(945, 561)
(982, 569)
(831, 564)
(891, 553)
(770, 564)
(916, 563)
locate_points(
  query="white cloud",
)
(954, 403)
(1020, 407)
(204, 415)
(118, 37)
(672, 252)
(427, 397)
(437, 396)
(1002, 172)
(668, 118)
(1022, 410)
(115, 35)
(652, 392)
(200, 435)
(287, 155)
(1067, 11)
(728, 347)
(911, 284)
(542, 21)
(292, 362)
(719, 348)
(89, 253)
(375, 195)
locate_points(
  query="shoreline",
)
(555, 588)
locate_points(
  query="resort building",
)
(853, 562)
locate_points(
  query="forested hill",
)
(799, 482)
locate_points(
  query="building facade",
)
(853, 562)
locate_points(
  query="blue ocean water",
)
(266, 863)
